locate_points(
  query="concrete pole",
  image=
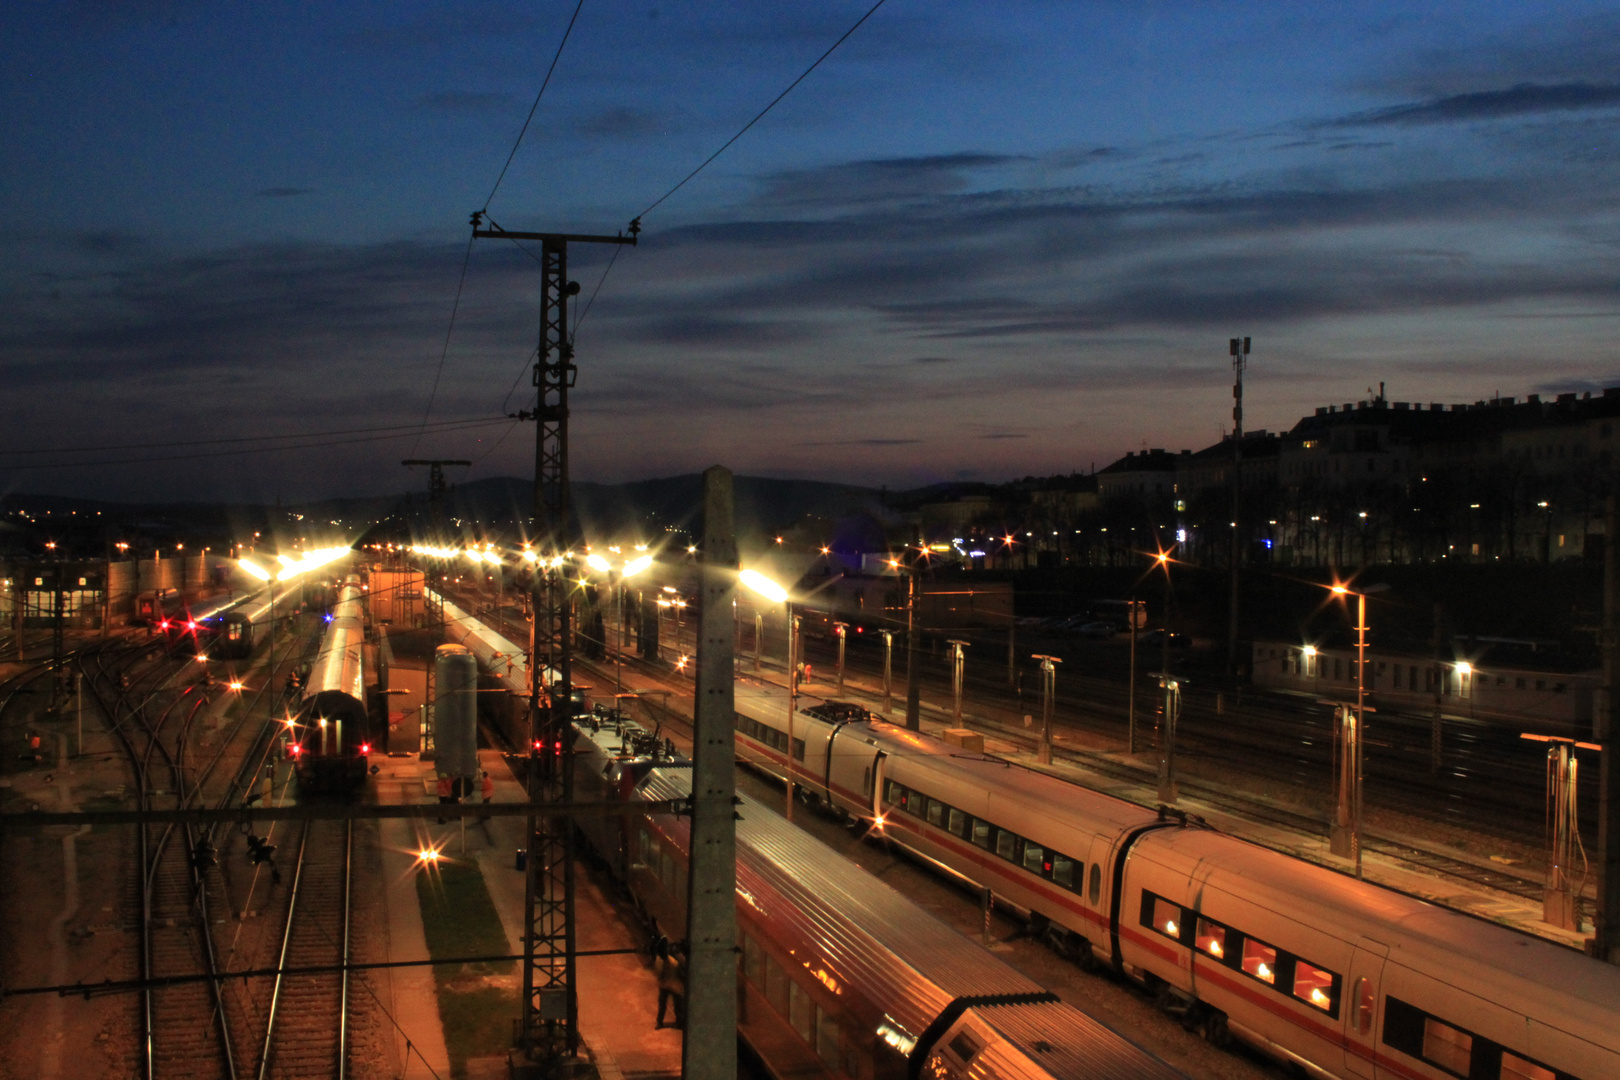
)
(792, 699)
(888, 670)
(1605, 944)
(1048, 693)
(842, 630)
(913, 694)
(958, 670)
(1168, 790)
(759, 637)
(1130, 694)
(1361, 717)
(709, 1050)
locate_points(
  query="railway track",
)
(307, 1019)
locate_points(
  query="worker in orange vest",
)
(446, 794)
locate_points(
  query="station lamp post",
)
(1048, 693)
(841, 629)
(1355, 755)
(888, 670)
(958, 670)
(617, 578)
(770, 590)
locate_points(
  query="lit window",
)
(1313, 985)
(1063, 871)
(1446, 1046)
(1515, 1067)
(1212, 939)
(1034, 857)
(936, 812)
(1260, 960)
(1167, 918)
(981, 832)
(958, 824)
(1007, 844)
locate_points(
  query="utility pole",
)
(1436, 727)
(550, 1020)
(437, 491)
(913, 692)
(1605, 943)
(709, 1050)
(1240, 360)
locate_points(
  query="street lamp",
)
(1357, 756)
(775, 593)
(1048, 692)
(958, 670)
(841, 629)
(888, 670)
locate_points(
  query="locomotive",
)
(330, 739)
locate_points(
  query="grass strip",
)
(459, 919)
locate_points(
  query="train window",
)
(1007, 844)
(1515, 1067)
(936, 812)
(981, 832)
(891, 793)
(1260, 960)
(1314, 985)
(776, 985)
(1034, 857)
(827, 1038)
(798, 749)
(666, 867)
(1446, 1046)
(1364, 1006)
(958, 822)
(1096, 882)
(1211, 939)
(799, 1013)
(918, 804)
(1063, 872)
(1162, 915)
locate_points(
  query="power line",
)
(757, 116)
(543, 84)
(438, 373)
(600, 282)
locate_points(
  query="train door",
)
(1361, 995)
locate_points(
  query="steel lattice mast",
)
(550, 1023)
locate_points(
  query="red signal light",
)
(164, 625)
(295, 749)
(365, 748)
(191, 625)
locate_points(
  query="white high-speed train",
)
(1344, 978)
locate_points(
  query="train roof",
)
(865, 931)
(1479, 955)
(1037, 791)
(1056, 1039)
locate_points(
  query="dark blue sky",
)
(981, 240)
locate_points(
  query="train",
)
(1341, 978)
(220, 629)
(838, 974)
(330, 739)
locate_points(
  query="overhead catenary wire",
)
(542, 93)
(438, 373)
(466, 257)
(760, 115)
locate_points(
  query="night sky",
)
(981, 240)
